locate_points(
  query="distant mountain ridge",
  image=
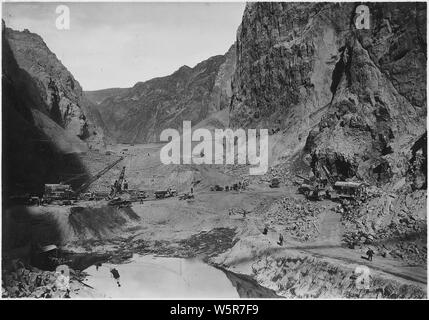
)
(98, 96)
(140, 113)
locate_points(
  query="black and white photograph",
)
(243, 151)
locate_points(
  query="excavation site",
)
(106, 194)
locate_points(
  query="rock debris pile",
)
(299, 218)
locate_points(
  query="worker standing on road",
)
(370, 253)
(280, 242)
(125, 185)
(115, 275)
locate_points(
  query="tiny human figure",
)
(244, 213)
(125, 185)
(97, 265)
(192, 190)
(265, 232)
(370, 253)
(115, 275)
(280, 242)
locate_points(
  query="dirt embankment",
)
(295, 274)
(27, 228)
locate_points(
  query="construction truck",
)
(63, 193)
(58, 192)
(161, 194)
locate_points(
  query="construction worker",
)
(115, 275)
(370, 253)
(125, 185)
(280, 242)
(265, 232)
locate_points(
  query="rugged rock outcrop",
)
(43, 119)
(60, 93)
(140, 113)
(358, 95)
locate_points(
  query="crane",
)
(86, 185)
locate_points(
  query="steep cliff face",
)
(36, 149)
(358, 95)
(140, 113)
(59, 91)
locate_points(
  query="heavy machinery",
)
(186, 196)
(64, 193)
(348, 190)
(58, 192)
(317, 189)
(313, 189)
(161, 194)
(117, 187)
(86, 185)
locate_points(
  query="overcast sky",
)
(118, 44)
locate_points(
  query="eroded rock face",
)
(140, 113)
(59, 90)
(359, 96)
(37, 149)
